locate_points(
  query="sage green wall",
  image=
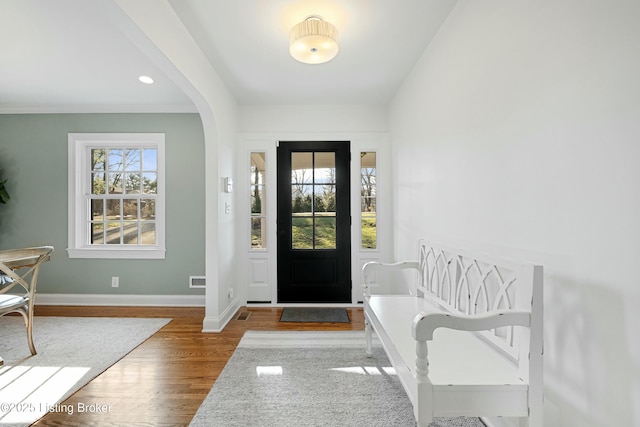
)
(33, 157)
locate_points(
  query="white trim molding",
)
(216, 324)
(121, 300)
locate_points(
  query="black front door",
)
(314, 222)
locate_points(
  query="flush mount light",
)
(146, 79)
(313, 41)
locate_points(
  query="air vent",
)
(197, 282)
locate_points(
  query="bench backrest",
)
(462, 282)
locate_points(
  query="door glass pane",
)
(368, 195)
(325, 168)
(325, 232)
(301, 168)
(325, 198)
(301, 201)
(302, 232)
(313, 200)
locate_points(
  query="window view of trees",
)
(258, 205)
(123, 182)
(313, 200)
(368, 194)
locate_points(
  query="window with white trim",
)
(116, 195)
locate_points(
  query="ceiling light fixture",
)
(313, 41)
(146, 79)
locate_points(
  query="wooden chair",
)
(19, 269)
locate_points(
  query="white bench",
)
(467, 341)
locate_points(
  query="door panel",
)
(314, 221)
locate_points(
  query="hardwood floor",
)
(164, 380)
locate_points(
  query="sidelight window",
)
(368, 197)
(258, 201)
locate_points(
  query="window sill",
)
(116, 253)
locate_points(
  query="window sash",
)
(81, 194)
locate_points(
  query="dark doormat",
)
(313, 314)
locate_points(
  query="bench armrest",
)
(372, 266)
(424, 324)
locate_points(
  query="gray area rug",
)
(315, 314)
(309, 379)
(71, 352)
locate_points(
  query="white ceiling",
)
(64, 55)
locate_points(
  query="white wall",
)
(155, 28)
(312, 119)
(517, 132)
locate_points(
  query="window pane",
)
(150, 183)
(130, 233)
(97, 233)
(132, 183)
(257, 200)
(147, 209)
(132, 159)
(130, 208)
(97, 209)
(150, 159)
(98, 159)
(302, 233)
(258, 233)
(258, 166)
(115, 160)
(325, 236)
(113, 209)
(148, 233)
(97, 183)
(368, 195)
(113, 233)
(115, 183)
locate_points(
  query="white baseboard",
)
(216, 324)
(121, 300)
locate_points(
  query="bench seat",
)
(463, 369)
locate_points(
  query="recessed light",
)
(146, 79)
